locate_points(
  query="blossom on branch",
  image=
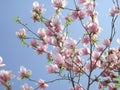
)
(26, 87)
(52, 68)
(21, 33)
(114, 11)
(42, 84)
(78, 14)
(59, 3)
(24, 73)
(5, 76)
(77, 87)
(38, 8)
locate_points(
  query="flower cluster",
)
(73, 59)
(37, 11)
(5, 76)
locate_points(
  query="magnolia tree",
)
(70, 59)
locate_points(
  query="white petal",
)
(1, 59)
(118, 40)
(2, 65)
(52, 1)
(35, 4)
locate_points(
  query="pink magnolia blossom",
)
(53, 25)
(78, 14)
(118, 52)
(41, 32)
(52, 68)
(58, 58)
(34, 43)
(88, 65)
(112, 58)
(78, 68)
(100, 87)
(85, 40)
(94, 28)
(49, 32)
(89, 12)
(78, 60)
(89, 4)
(95, 55)
(21, 33)
(100, 48)
(70, 43)
(24, 73)
(74, 15)
(42, 48)
(105, 82)
(26, 87)
(77, 87)
(112, 87)
(81, 14)
(85, 51)
(82, 1)
(1, 64)
(62, 37)
(59, 3)
(56, 24)
(56, 50)
(35, 16)
(106, 42)
(49, 40)
(68, 64)
(42, 84)
(68, 53)
(94, 64)
(38, 8)
(5, 76)
(49, 26)
(114, 10)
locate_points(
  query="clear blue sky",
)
(15, 55)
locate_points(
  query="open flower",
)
(106, 42)
(21, 33)
(70, 43)
(34, 43)
(52, 68)
(58, 58)
(42, 84)
(78, 14)
(24, 73)
(26, 87)
(85, 51)
(38, 8)
(77, 87)
(82, 1)
(114, 10)
(59, 3)
(5, 76)
(42, 48)
(85, 40)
